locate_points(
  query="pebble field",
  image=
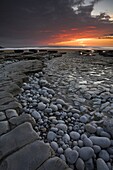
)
(71, 100)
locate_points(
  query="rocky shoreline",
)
(65, 108)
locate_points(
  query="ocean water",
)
(60, 47)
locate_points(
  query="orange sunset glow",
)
(85, 42)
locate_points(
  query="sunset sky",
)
(56, 23)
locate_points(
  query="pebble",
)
(103, 142)
(63, 157)
(41, 106)
(36, 114)
(60, 151)
(96, 149)
(104, 155)
(90, 128)
(87, 142)
(74, 135)
(80, 164)
(60, 101)
(62, 127)
(83, 119)
(89, 165)
(101, 164)
(66, 138)
(54, 107)
(44, 99)
(54, 146)
(86, 153)
(71, 155)
(51, 136)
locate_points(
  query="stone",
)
(11, 113)
(36, 115)
(12, 105)
(71, 155)
(80, 164)
(66, 138)
(103, 142)
(4, 127)
(101, 164)
(16, 139)
(2, 116)
(83, 119)
(60, 150)
(62, 126)
(86, 153)
(60, 101)
(87, 142)
(32, 156)
(89, 165)
(108, 125)
(96, 149)
(54, 163)
(54, 107)
(74, 135)
(41, 106)
(51, 91)
(54, 146)
(44, 100)
(48, 110)
(51, 136)
(21, 119)
(90, 128)
(104, 155)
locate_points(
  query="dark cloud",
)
(37, 21)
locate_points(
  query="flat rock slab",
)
(24, 66)
(21, 119)
(16, 139)
(11, 105)
(54, 164)
(4, 127)
(30, 157)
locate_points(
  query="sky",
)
(56, 23)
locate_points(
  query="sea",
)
(59, 47)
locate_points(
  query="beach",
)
(56, 110)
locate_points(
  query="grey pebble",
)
(89, 165)
(36, 114)
(90, 128)
(62, 126)
(103, 142)
(87, 142)
(41, 106)
(60, 150)
(71, 155)
(96, 149)
(66, 138)
(80, 164)
(104, 155)
(74, 135)
(86, 153)
(54, 146)
(51, 136)
(83, 119)
(101, 164)
(54, 107)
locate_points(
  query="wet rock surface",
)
(67, 105)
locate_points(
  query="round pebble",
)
(74, 135)
(41, 106)
(86, 153)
